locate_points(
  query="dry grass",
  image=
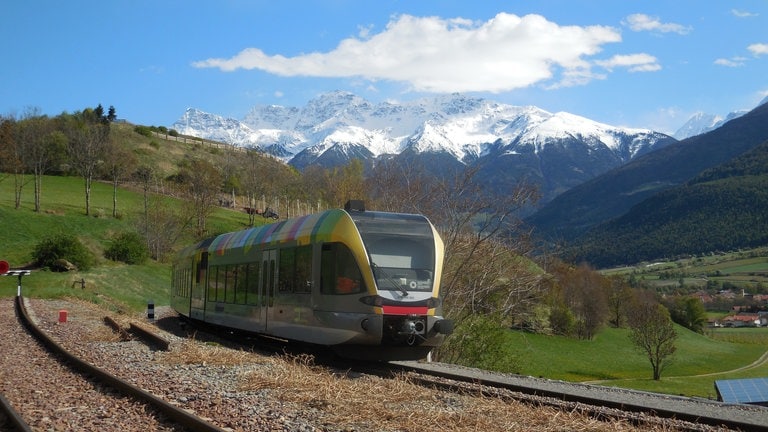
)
(351, 401)
(191, 351)
(371, 403)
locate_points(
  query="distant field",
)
(610, 359)
(744, 269)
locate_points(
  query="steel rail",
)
(701, 411)
(175, 413)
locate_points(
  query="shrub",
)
(129, 248)
(51, 251)
(143, 130)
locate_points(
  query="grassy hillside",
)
(722, 209)
(126, 287)
(610, 359)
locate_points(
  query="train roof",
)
(329, 225)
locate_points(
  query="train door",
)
(268, 283)
(197, 295)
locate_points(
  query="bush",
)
(143, 130)
(54, 251)
(129, 248)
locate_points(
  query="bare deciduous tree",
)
(10, 137)
(118, 163)
(619, 296)
(88, 140)
(202, 182)
(484, 268)
(43, 148)
(587, 297)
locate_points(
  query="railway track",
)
(689, 410)
(82, 384)
(453, 389)
(600, 402)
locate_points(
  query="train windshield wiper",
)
(386, 275)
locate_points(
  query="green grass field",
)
(609, 359)
(122, 287)
(743, 269)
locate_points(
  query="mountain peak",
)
(458, 127)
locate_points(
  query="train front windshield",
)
(401, 248)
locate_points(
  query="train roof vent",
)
(355, 205)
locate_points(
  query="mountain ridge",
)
(720, 209)
(613, 193)
(335, 127)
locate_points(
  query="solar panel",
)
(743, 391)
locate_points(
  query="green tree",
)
(128, 247)
(480, 342)
(653, 333)
(344, 183)
(689, 312)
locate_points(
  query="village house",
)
(743, 320)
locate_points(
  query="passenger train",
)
(364, 283)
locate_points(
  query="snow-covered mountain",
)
(335, 127)
(701, 122)
(462, 126)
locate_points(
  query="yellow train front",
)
(365, 283)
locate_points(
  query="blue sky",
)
(649, 64)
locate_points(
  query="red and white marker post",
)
(5, 270)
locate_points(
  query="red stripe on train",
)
(404, 310)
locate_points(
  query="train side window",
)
(213, 284)
(287, 264)
(303, 270)
(241, 283)
(228, 293)
(339, 272)
(252, 286)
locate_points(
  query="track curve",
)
(178, 415)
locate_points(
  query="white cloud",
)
(633, 62)
(448, 55)
(758, 49)
(642, 22)
(743, 14)
(731, 62)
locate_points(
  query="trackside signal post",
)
(5, 271)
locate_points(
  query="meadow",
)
(608, 359)
(120, 286)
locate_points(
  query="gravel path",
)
(235, 389)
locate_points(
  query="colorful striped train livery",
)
(365, 283)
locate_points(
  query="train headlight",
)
(433, 302)
(372, 300)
